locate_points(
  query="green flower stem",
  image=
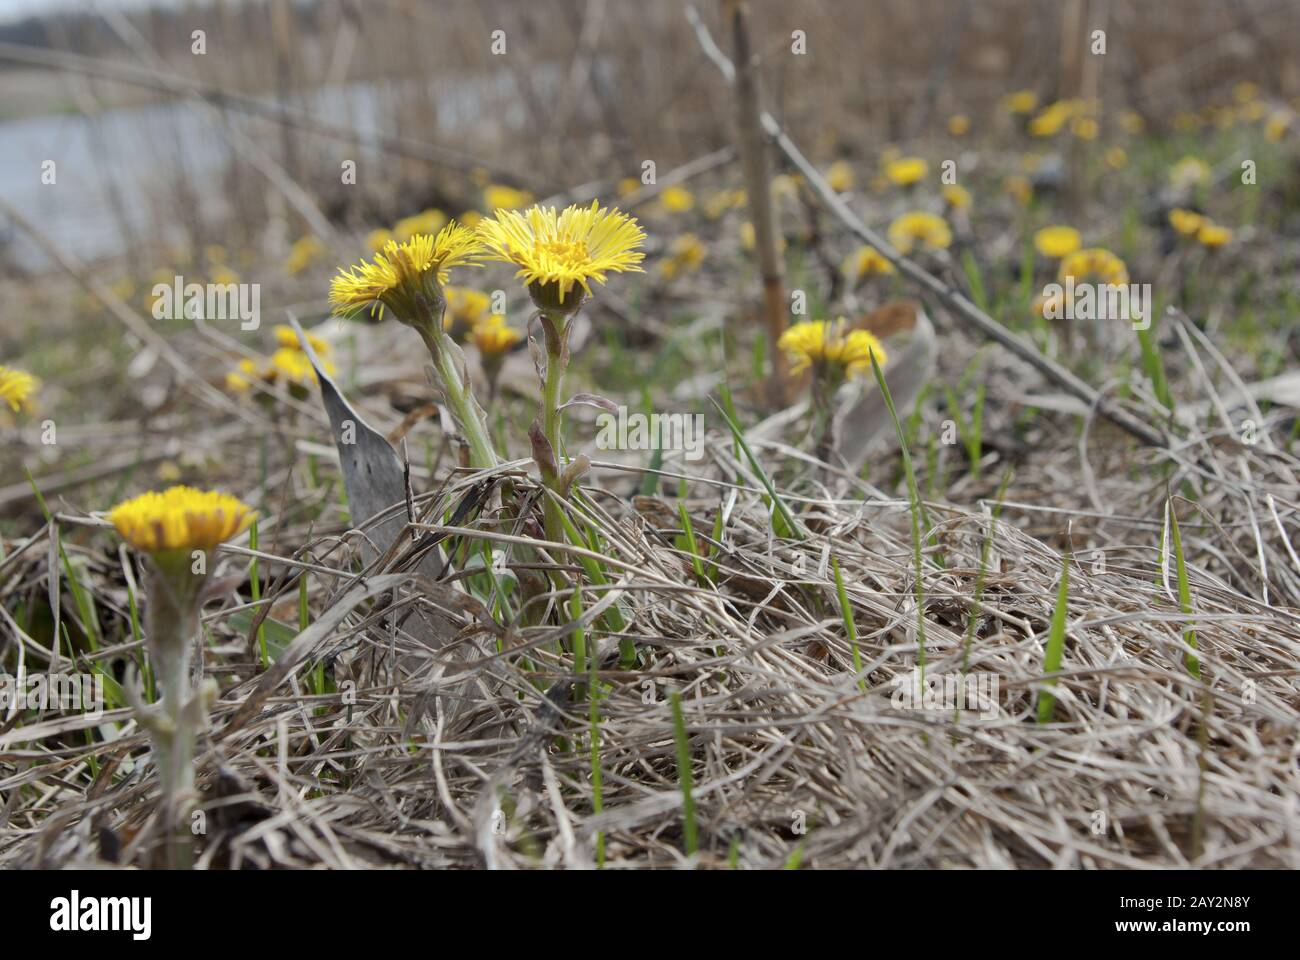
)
(172, 629)
(467, 413)
(552, 421)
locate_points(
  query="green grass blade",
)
(1055, 646)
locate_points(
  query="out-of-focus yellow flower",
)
(493, 336)
(1185, 122)
(1085, 128)
(286, 338)
(302, 253)
(17, 388)
(839, 176)
(1276, 127)
(466, 307)
(1252, 112)
(168, 472)
(1189, 172)
(376, 240)
(724, 200)
(1132, 122)
(1018, 188)
(498, 197)
(1213, 235)
(866, 261)
(959, 125)
(830, 348)
(1020, 102)
(405, 274)
(556, 252)
(685, 254)
(628, 186)
(785, 186)
(293, 367)
(470, 218)
(240, 380)
(919, 228)
(1116, 158)
(180, 518)
(677, 199)
(1094, 264)
(224, 275)
(426, 221)
(1057, 241)
(1185, 222)
(906, 171)
(956, 196)
(1245, 92)
(1051, 120)
(215, 253)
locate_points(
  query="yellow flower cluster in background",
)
(920, 229)
(677, 199)
(289, 364)
(685, 255)
(906, 171)
(493, 336)
(180, 518)
(1094, 264)
(303, 252)
(499, 197)
(830, 348)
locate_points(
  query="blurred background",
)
(153, 140)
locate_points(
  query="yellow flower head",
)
(1278, 123)
(959, 125)
(1057, 241)
(829, 348)
(286, 338)
(1213, 235)
(677, 199)
(1116, 158)
(492, 336)
(1094, 264)
(1185, 222)
(180, 518)
(376, 240)
(1132, 122)
(302, 253)
(1020, 102)
(405, 274)
(866, 261)
(685, 255)
(556, 252)
(1051, 120)
(499, 197)
(919, 228)
(1189, 172)
(465, 307)
(957, 197)
(1085, 128)
(839, 176)
(16, 388)
(724, 200)
(905, 171)
(628, 186)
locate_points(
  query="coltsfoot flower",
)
(959, 125)
(466, 307)
(957, 197)
(920, 229)
(839, 176)
(677, 199)
(830, 349)
(1213, 235)
(1094, 264)
(17, 388)
(498, 197)
(426, 221)
(906, 171)
(405, 277)
(1186, 222)
(493, 336)
(180, 518)
(557, 252)
(685, 254)
(1020, 102)
(1057, 241)
(866, 261)
(302, 253)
